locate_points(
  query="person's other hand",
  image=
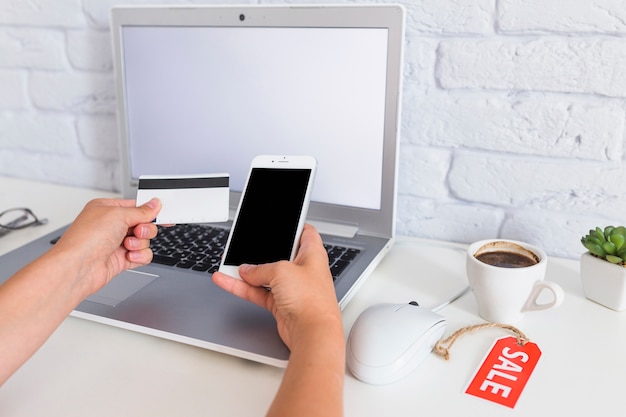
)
(109, 236)
(302, 294)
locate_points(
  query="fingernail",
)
(131, 243)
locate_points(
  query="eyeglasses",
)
(18, 218)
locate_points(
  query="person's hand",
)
(302, 298)
(302, 293)
(109, 236)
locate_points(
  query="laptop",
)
(203, 89)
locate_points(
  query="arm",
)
(107, 237)
(303, 300)
(313, 381)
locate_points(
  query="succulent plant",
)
(608, 244)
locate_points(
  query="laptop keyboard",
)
(199, 247)
(189, 246)
(339, 258)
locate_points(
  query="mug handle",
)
(539, 287)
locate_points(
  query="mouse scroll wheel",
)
(414, 303)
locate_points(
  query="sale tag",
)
(504, 372)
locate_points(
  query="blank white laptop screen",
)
(278, 90)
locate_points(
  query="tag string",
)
(443, 346)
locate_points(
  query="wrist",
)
(67, 268)
(317, 333)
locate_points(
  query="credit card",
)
(200, 198)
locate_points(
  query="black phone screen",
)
(266, 226)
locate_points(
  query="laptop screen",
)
(206, 90)
(207, 99)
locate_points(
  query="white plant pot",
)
(603, 282)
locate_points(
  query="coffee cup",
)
(507, 278)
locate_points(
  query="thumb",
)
(256, 275)
(147, 212)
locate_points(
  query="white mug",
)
(504, 292)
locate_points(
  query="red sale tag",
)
(503, 374)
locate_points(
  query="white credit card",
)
(200, 198)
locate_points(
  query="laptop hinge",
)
(328, 228)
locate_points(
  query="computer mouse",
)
(389, 341)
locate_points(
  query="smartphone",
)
(271, 212)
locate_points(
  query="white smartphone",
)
(271, 213)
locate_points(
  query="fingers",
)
(310, 235)
(134, 243)
(256, 295)
(140, 218)
(256, 277)
(146, 212)
(311, 250)
(139, 257)
(132, 215)
(138, 243)
(145, 231)
(138, 247)
(263, 275)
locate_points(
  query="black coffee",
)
(506, 259)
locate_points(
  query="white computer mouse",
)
(389, 341)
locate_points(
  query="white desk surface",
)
(91, 369)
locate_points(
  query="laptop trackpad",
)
(122, 287)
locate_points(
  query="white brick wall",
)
(513, 112)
